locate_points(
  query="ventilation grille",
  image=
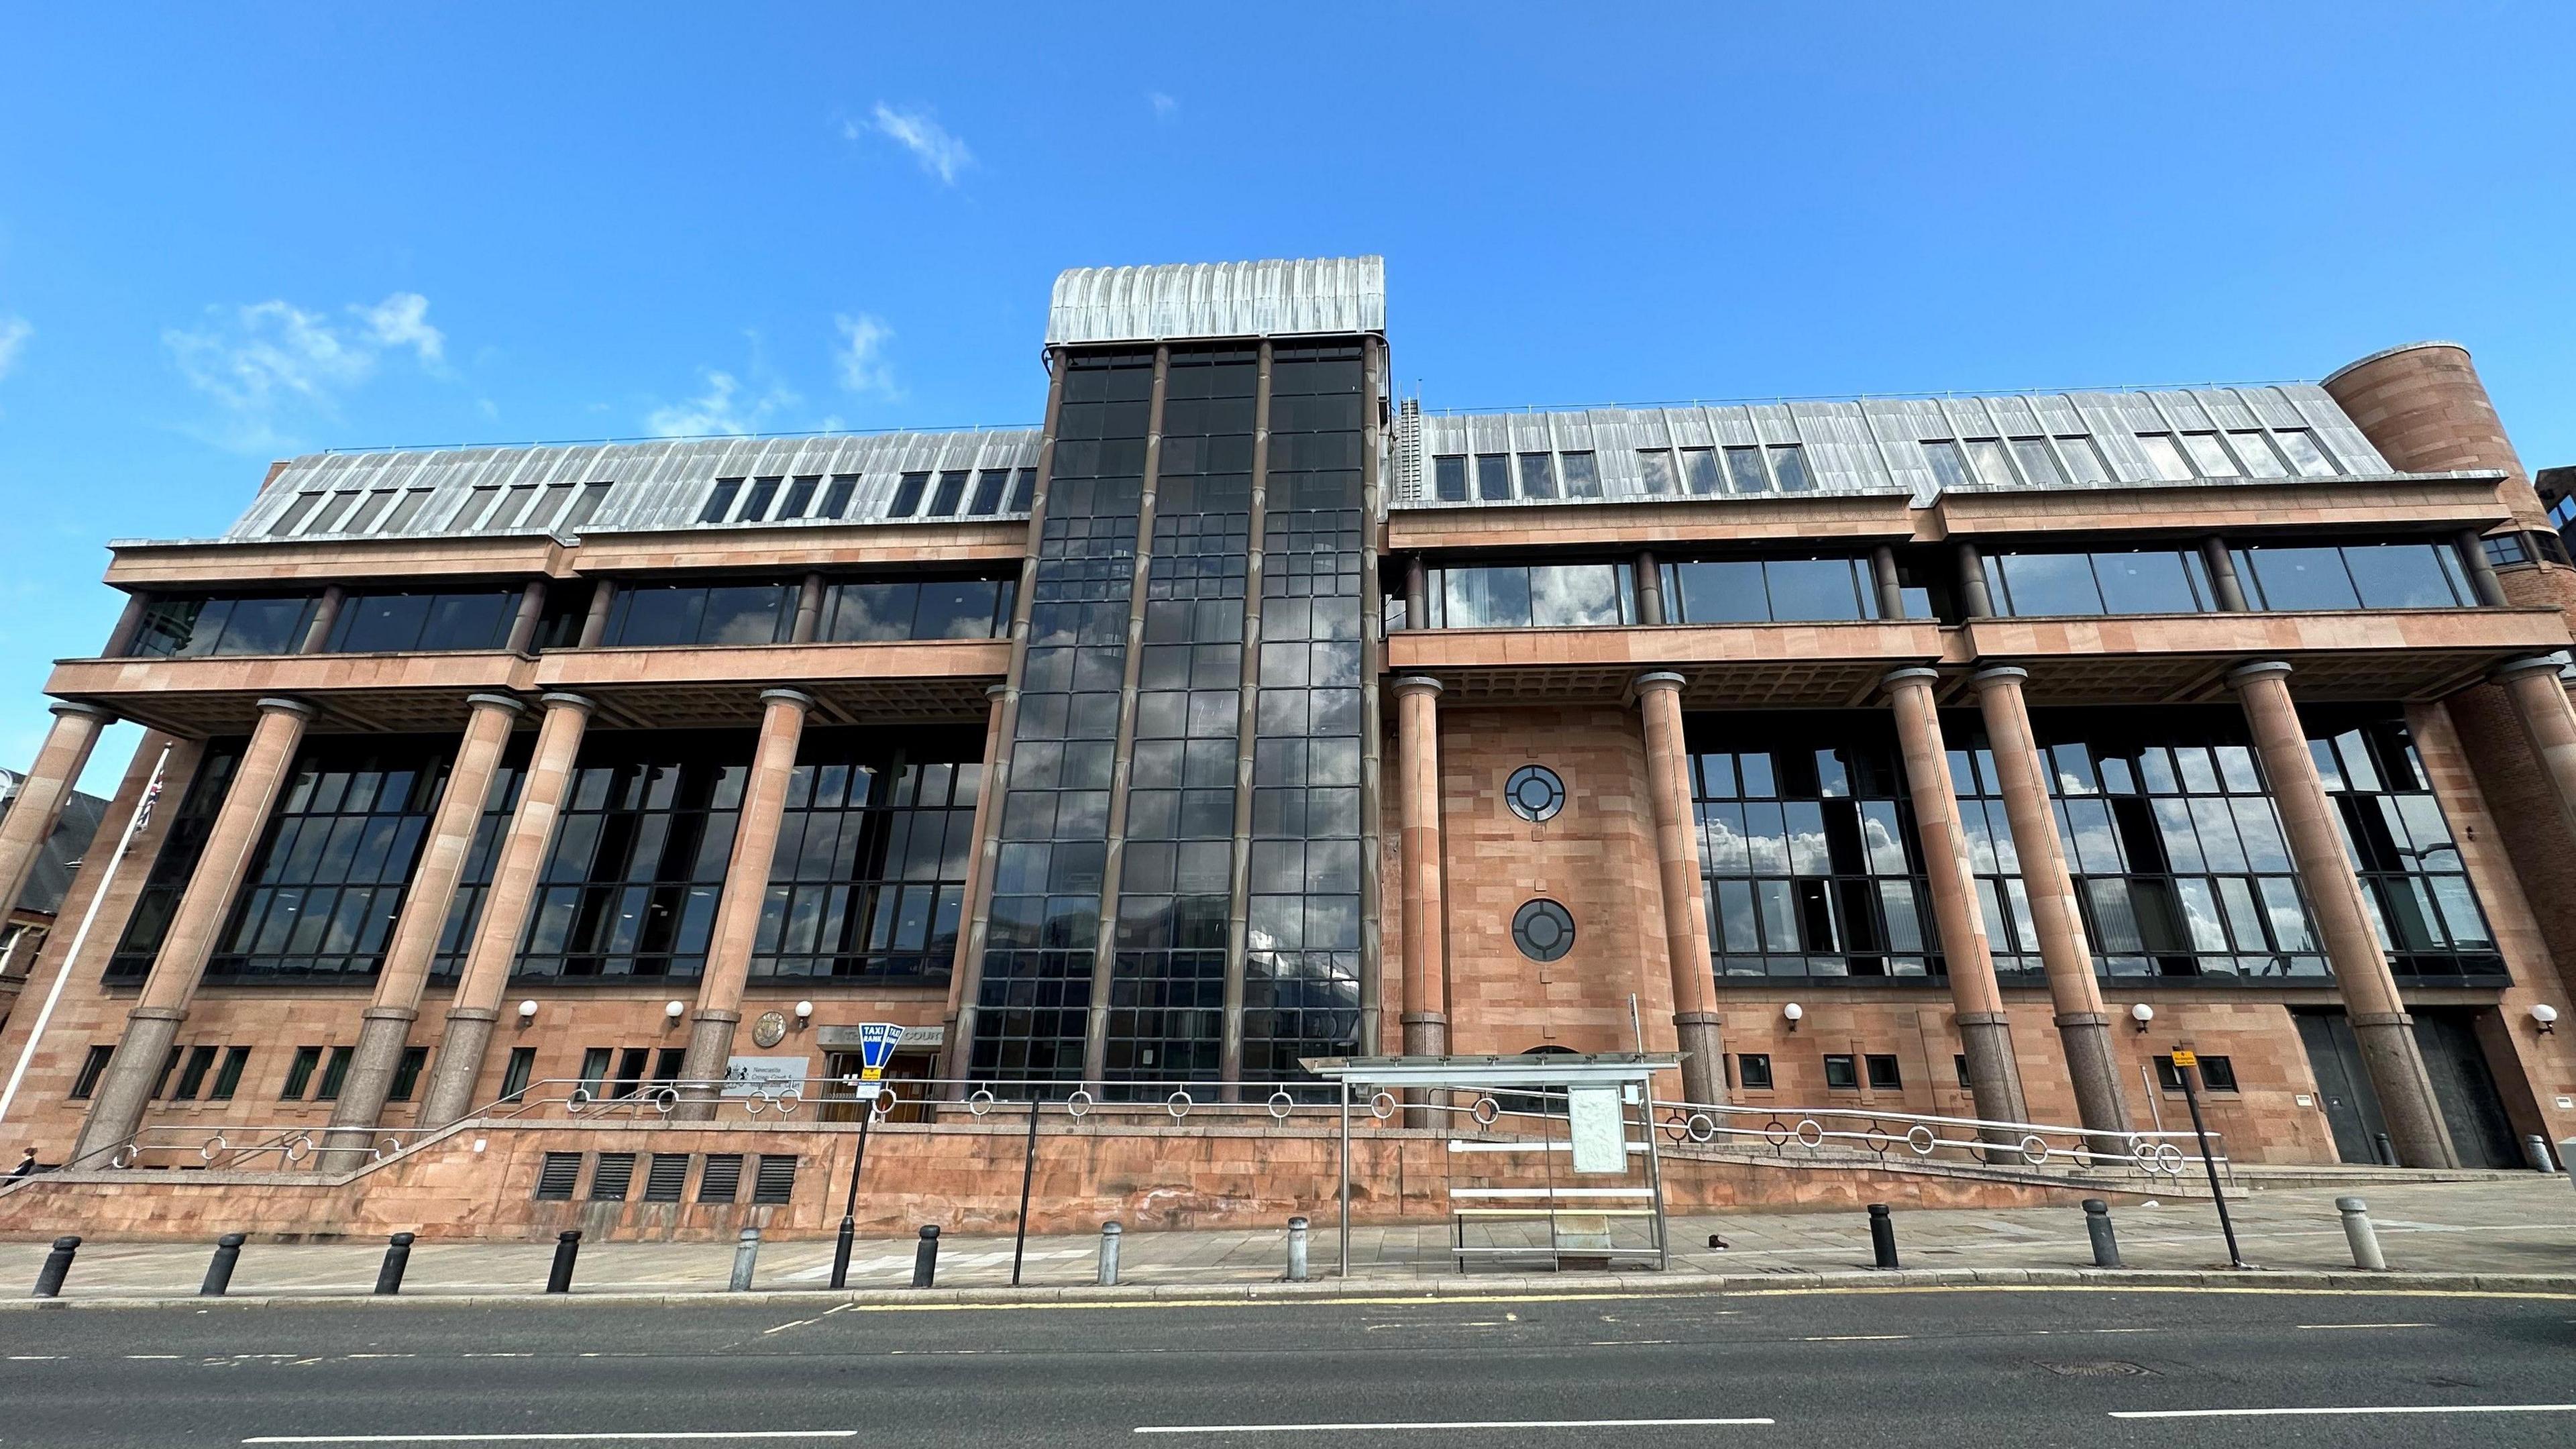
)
(616, 1170)
(777, 1180)
(663, 1181)
(722, 1181)
(556, 1177)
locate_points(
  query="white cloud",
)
(723, 409)
(940, 153)
(14, 332)
(1166, 108)
(253, 358)
(861, 355)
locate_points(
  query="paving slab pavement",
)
(2516, 1228)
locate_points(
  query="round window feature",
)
(1543, 930)
(1534, 792)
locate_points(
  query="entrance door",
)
(2343, 1084)
(2465, 1086)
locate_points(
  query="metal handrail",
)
(215, 1147)
(1882, 1134)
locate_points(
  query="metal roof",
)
(51, 879)
(1869, 445)
(1218, 299)
(618, 487)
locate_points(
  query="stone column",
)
(39, 806)
(1890, 583)
(189, 941)
(1426, 943)
(1974, 597)
(531, 614)
(503, 921)
(317, 635)
(2222, 576)
(594, 623)
(2379, 1020)
(2472, 547)
(966, 973)
(385, 1026)
(2083, 1026)
(1652, 607)
(746, 890)
(2539, 698)
(1985, 1033)
(809, 610)
(1686, 955)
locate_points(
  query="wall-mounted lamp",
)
(527, 1011)
(2545, 1017)
(2142, 1014)
(804, 1014)
(1793, 1013)
(674, 1009)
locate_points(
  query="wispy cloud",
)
(14, 332)
(1166, 108)
(253, 359)
(861, 355)
(726, 408)
(940, 153)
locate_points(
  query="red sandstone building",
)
(1944, 755)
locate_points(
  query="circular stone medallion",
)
(770, 1030)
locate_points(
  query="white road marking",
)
(1442, 1424)
(2356, 1409)
(782, 1328)
(139, 1356)
(547, 1437)
(35, 1357)
(2322, 1326)
(1857, 1337)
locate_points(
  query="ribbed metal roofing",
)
(1218, 299)
(1877, 445)
(621, 487)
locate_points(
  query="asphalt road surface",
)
(1991, 1368)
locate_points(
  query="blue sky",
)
(231, 234)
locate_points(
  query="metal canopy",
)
(1321, 295)
(1554, 1069)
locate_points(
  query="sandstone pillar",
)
(1985, 1033)
(50, 781)
(385, 1027)
(2083, 1026)
(2379, 1020)
(189, 942)
(504, 917)
(746, 890)
(2539, 698)
(1426, 943)
(1686, 953)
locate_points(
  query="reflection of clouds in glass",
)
(1574, 594)
(1879, 838)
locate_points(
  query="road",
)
(1792, 1370)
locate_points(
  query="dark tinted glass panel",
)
(2407, 576)
(183, 841)
(1449, 479)
(2150, 583)
(907, 495)
(873, 854)
(632, 876)
(719, 505)
(2301, 578)
(1722, 593)
(1815, 588)
(328, 876)
(2049, 583)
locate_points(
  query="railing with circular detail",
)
(1836, 1135)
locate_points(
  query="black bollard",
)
(2097, 1226)
(397, 1258)
(219, 1273)
(841, 1252)
(567, 1248)
(925, 1259)
(2387, 1150)
(58, 1266)
(1882, 1235)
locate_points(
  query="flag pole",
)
(54, 993)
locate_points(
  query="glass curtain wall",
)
(1302, 954)
(1044, 928)
(2411, 872)
(328, 879)
(1167, 987)
(181, 844)
(638, 860)
(870, 873)
(456, 937)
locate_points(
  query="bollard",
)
(1882, 1234)
(219, 1273)
(2567, 1158)
(397, 1258)
(1296, 1250)
(58, 1266)
(925, 1259)
(746, 1256)
(1109, 1236)
(567, 1248)
(2097, 1226)
(2387, 1151)
(2535, 1150)
(2358, 1232)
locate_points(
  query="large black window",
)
(749, 613)
(928, 609)
(2141, 581)
(241, 624)
(184, 841)
(638, 860)
(393, 623)
(465, 912)
(1753, 591)
(873, 854)
(2413, 877)
(2355, 576)
(328, 879)
(1524, 596)
(1807, 844)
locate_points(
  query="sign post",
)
(877, 1041)
(2187, 1067)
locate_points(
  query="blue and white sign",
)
(877, 1041)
